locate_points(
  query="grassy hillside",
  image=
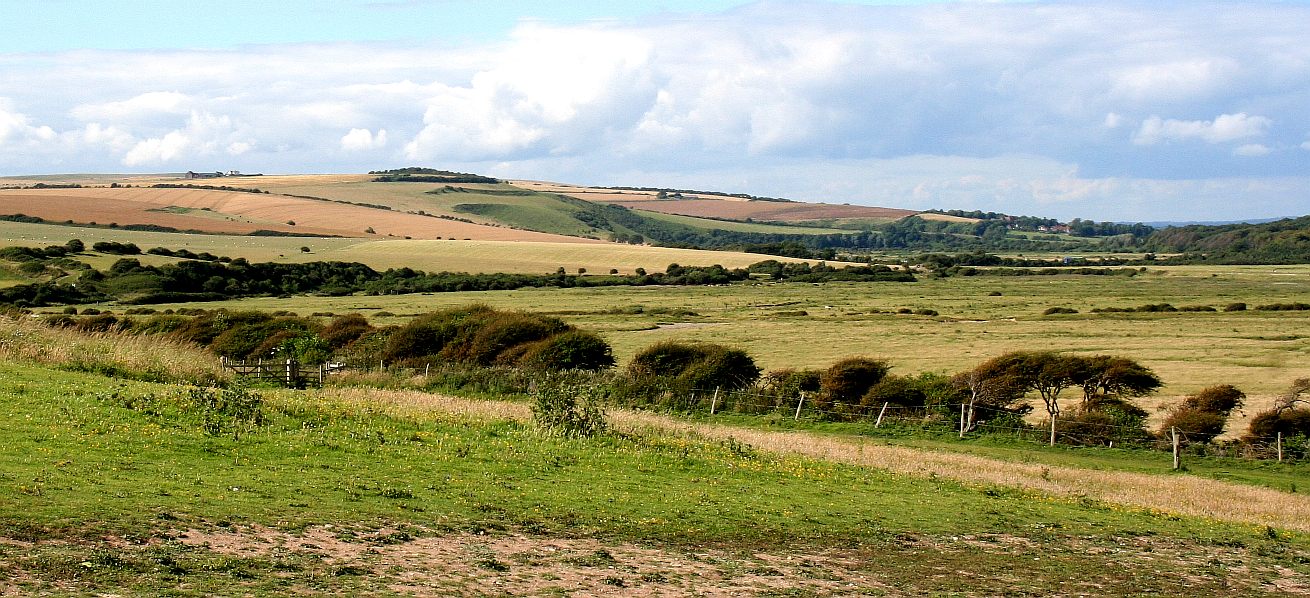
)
(1284, 241)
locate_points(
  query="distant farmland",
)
(765, 210)
(243, 213)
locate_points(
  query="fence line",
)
(1083, 433)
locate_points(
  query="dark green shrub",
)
(848, 380)
(574, 349)
(1050, 311)
(343, 330)
(252, 340)
(897, 390)
(665, 359)
(160, 324)
(722, 367)
(427, 335)
(696, 365)
(791, 383)
(1235, 307)
(497, 333)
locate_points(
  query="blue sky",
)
(1093, 109)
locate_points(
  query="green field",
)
(127, 487)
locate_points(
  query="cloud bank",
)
(1113, 111)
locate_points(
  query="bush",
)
(571, 350)
(343, 330)
(427, 335)
(572, 410)
(1291, 422)
(696, 365)
(259, 339)
(1194, 425)
(1239, 306)
(116, 248)
(1222, 399)
(848, 380)
(1050, 311)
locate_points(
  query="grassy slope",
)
(79, 465)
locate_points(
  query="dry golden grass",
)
(147, 358)
(410, 403)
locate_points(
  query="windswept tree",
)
(991, 384)
(1049, 373)
(1201, 417)
(1290, 415)
(1111, 376)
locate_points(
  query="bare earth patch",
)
(413, 561)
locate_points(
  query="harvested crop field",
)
(242, 213)
(764, 210)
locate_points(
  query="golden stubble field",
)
(520, 257)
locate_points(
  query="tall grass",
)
(150, 359)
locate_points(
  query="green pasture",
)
(90, 459)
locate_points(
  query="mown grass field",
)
(117, 486)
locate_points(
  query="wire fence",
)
(965, 421)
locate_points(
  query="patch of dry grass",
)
(140, 358)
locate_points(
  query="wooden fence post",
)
(1280, 447)
(798, 406)
(880, 412)
(715, 401)
(961, 420)
(1052, 429)
(1173, 432)
(320, 375)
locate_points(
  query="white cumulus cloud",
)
(1224, 128)
(204, 135)
(358, 140)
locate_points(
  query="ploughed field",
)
(243, 213)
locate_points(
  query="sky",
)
(1120, 111)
